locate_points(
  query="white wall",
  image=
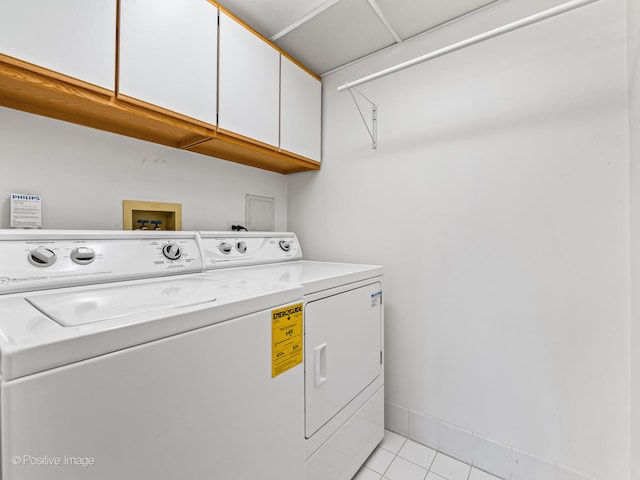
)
(633, 16)
(84, 175)
(498, 202)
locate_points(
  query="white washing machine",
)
(120, 359)
(343, 346)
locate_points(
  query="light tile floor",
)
(398, 458)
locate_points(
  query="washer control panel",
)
(33, 260)
(236, 249)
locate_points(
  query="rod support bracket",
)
(373, 131)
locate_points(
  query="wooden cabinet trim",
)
(285, 54)
(53, 95)
(296, 156)
(164, 111)
(254, 155)
(229, 134)
(17, 64)
(35, 89)
(267, 41)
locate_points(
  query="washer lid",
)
(96, 305)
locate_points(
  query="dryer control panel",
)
(237, 249)
(34, 260)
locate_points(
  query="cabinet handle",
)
(320, 364)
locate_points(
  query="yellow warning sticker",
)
(286, 338)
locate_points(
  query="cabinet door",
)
(168, 55)
(249, 83)
(73, 37)
(300, 111)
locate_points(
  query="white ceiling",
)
(326, 34)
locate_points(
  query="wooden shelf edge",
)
(34, 90)
(234, 137)
(298, 156)
(296, 163)
(252, 154)
(149, 106)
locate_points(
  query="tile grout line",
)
(428, 469)
(395, 456)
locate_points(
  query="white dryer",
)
(343, 346)
(120, 359)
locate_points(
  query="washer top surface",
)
(313, 276)
(277, 257)
(51, 328)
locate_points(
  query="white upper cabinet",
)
(74, 37)
(168, 55)
(249, 92)
(300, 111)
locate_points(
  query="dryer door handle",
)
(320, 364)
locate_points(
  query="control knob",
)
(83, 255)
(172, 251)
(225, 248)
(241, 247)
(285, 245)
(42, 257)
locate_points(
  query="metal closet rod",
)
(510, 27)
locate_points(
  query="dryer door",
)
(342, 351)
